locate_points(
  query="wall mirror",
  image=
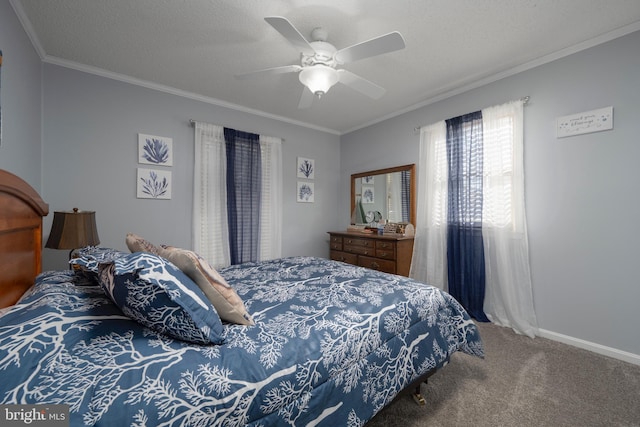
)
(390, 191)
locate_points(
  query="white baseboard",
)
(596, 348)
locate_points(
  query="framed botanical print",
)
(153, 184)
(155, 150)
(306, 168)
(306, 192)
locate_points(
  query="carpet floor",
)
(523, 382)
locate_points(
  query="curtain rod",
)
(192, 122)
(524, 99)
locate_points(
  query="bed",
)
(322, 342)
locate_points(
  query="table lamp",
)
(72, 230)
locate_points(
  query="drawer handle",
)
(383, 254)
(366, 252)
(375, 265)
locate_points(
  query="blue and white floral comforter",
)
(332, 345)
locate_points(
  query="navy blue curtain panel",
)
(244, 176)
(405, 184)
(465, 248)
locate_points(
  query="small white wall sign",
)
(586, 122)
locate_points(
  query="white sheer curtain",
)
(210, 227)
(508, 295)
(508, 292)
(271, 204)
(210, 230)
(429, 262)
(394, 197)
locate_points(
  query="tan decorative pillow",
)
(136, 243)
(223, 297)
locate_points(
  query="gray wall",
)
(20, 150)
(90, 132)
(582, 197)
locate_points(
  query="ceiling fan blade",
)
(286, 28)
(306, 99)
(269, 71)
(376, 46)
(363, 86)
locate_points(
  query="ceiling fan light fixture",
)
(318, 78)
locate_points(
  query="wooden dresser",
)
(390, 253)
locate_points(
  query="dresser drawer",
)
(383, 253)
(335, 243)
(362, 250)
(386, 250)
(355, 242)
(343, 257)
(383, 244)
(388, 266)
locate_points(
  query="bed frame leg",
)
(418, 397)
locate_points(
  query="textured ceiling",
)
(196, 47)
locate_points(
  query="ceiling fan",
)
(318, 70)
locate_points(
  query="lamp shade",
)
(73, 229)
(318, 78)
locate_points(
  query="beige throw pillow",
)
(223, 297)
(136, 243)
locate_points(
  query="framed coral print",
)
(153, 184)
(155, 150)
(368, 194)
(306, 192)
(306, 168)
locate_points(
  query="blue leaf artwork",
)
(155, 150)
(306, 168)
(154, 184)
(368, 195)
(305, 192)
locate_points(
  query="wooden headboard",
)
(21, 212)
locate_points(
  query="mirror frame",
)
(412, 185)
